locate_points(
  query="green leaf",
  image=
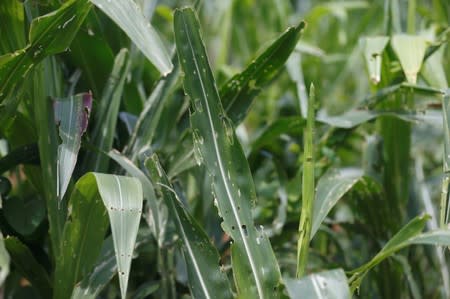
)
(123, 198)
(26, 154)
(130, 19)
(82, 237)
(24, 214)
(410, 50)
(49, 34)
(238, 93)
(206, 279)
(330, 284)
(71, 115)
(373, 48)
(331, 187)
(107, 112)
(283, 125)
(254, 265)
(24, 261)
(12, 26)
(401, 239)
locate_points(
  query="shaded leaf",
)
(24, 214)
(255, 267)
(24, 261)
(131, 20)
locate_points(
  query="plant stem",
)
(304, 228)
(411, 17)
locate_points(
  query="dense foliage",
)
(224, 149)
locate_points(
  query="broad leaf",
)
(255, 268)
(410, 50)
(24, 213)
(123, 198)
(206, 279)
(49, 34)
(238, 93)
(12, 26)
(24, 261)
(331, 187)
(71, 115)
(131, 20)
(330, 284)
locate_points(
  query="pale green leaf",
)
(131, 20)
(373, 48)
(4, 260)
(410, 50)
(330, 284)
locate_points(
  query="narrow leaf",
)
(238, 93)
(4, 259)
(130, 19)
(123, 198)
(107, 112)
(331, 187)
(330, 284)
(71, 115)
(25, 263)
(255, 268)
(206, 278)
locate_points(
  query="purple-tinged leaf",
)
(71, 116)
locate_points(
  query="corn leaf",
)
(206, 278)
(4, 259)
(330, 284)
(49, 34)
(123, 198)
(12, 26)
(254, 265)
(238, 93)
(130, 19)
(373, 48)
(410, 50)
(106, 117)
(331, 187)
(24, 261)
(71, 115)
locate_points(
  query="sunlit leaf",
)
(373, 48)
(131, 20)
(410, 50)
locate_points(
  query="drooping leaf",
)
(331, 187)
(373, 48)
(206, 278)
(71, 115)
(254, 265)
(49, 34)
(24, 261)
(330, 284)
(82, 237)
(123, 198)
(107, 112)
(410, 50)
(131, 20)
(238, 93)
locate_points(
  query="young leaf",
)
(330, 284)
(123, 198)
(330, 188)
(49, 34)
(254, 265)
(206, 279)
(24, 261)
(71, 115)
(131, 20)
(238, 93)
